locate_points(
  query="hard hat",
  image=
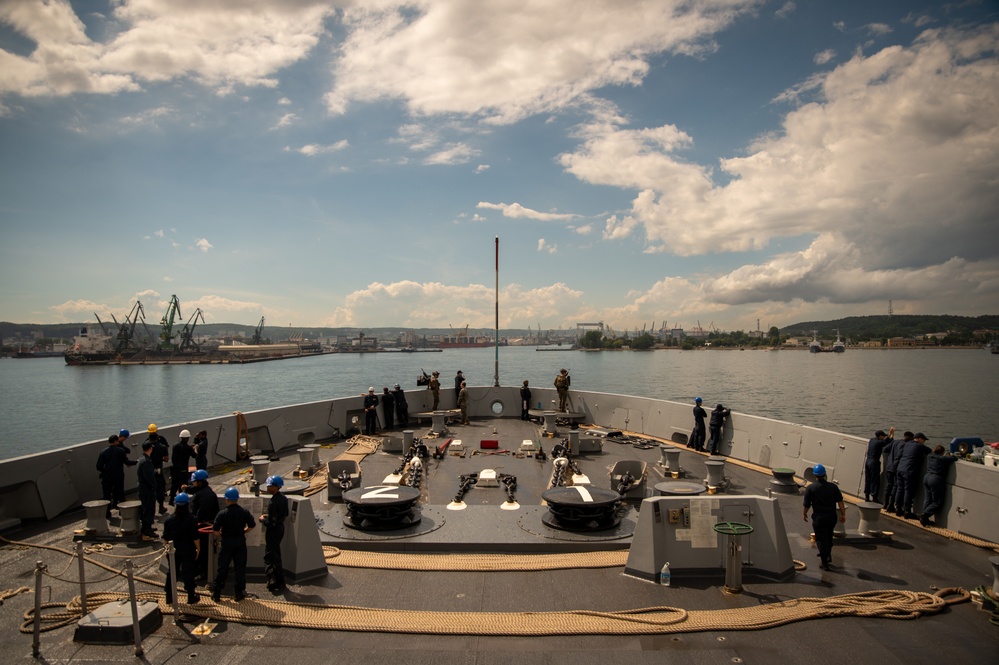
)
(232, 494)
(698, 400)
(276, 481)
(371, 389)
(182, 499)
(818, 470)
(200, 474)
(185, 434)
(152, 428)
(124, 433)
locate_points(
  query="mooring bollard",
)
(83, 580)
(135, 607)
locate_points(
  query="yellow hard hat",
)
(151, 428)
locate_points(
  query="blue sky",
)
(350, 163)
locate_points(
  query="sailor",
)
(935, 483)
(204, 506)
(231, 525)
(147, 490)
(715, 425)
(160, 453)
(182, 529)
(872, 463)
(201, 449)
(388, 407)
(910, 467)
(894, 455)
(180, 462)
(525, 401)
(697, 435)
(111, 465)
(370, 412)
(824, 498)
(562, 388)
(273, 521)
(401, 407)
(459, 379)
(435, 390)
(463, 403)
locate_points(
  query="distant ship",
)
(462, 340)
(815, 346)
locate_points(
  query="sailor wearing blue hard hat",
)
(231, 524)
(824, 498)
(204, 507)
(273, 521)
(182, 529)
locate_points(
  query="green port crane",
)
(258, 332)
(166, 324)
(187, 333)
(125, 339)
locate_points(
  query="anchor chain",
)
(415, 473)
(510, 485)
(465, 483)
(627, 482)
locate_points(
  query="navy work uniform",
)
(231, 524)
(204, 506)
(182, 529)
(935, 483)
(111, 465)
(872, 464)
(273, 521)
(697, 436)
(401, 406)
(823, 498)
(370, 412)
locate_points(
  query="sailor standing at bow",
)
(824, 498)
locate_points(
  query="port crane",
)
(125, 339)
(187, 333)
(258, 332)
(166, 324)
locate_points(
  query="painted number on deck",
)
(381, 492)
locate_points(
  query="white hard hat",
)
(184, 434)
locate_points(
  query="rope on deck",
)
(474, 562)
(888, 604)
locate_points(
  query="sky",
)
(722, 163)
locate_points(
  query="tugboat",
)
(839, 346)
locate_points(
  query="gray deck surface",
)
(917, 560)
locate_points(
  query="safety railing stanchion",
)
(172, 560)
(135, 607)
(83, 579)
(36, 640)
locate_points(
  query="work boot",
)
(240, 596)
(193, 598)
(217, 596)
(924, 520)
(162, 509)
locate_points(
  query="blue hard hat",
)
(276, 481)
(200, 474)
(182, 499)
(123, 432)
(818, 470)
(232, 494)
(698, 400)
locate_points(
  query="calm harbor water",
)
(944, 393)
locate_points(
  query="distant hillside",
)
(898, 325)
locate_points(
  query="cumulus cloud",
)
(313, 149)
(822, 57)
(785, 10)
(77, 309)
(286, 120)
(437, 305)
(517, 211)
(891, 167)
(508, 59)
(544, 246)
(455, 153)
(219, 44)
(203, 245)
(481, 168)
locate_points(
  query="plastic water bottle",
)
(664, 576)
